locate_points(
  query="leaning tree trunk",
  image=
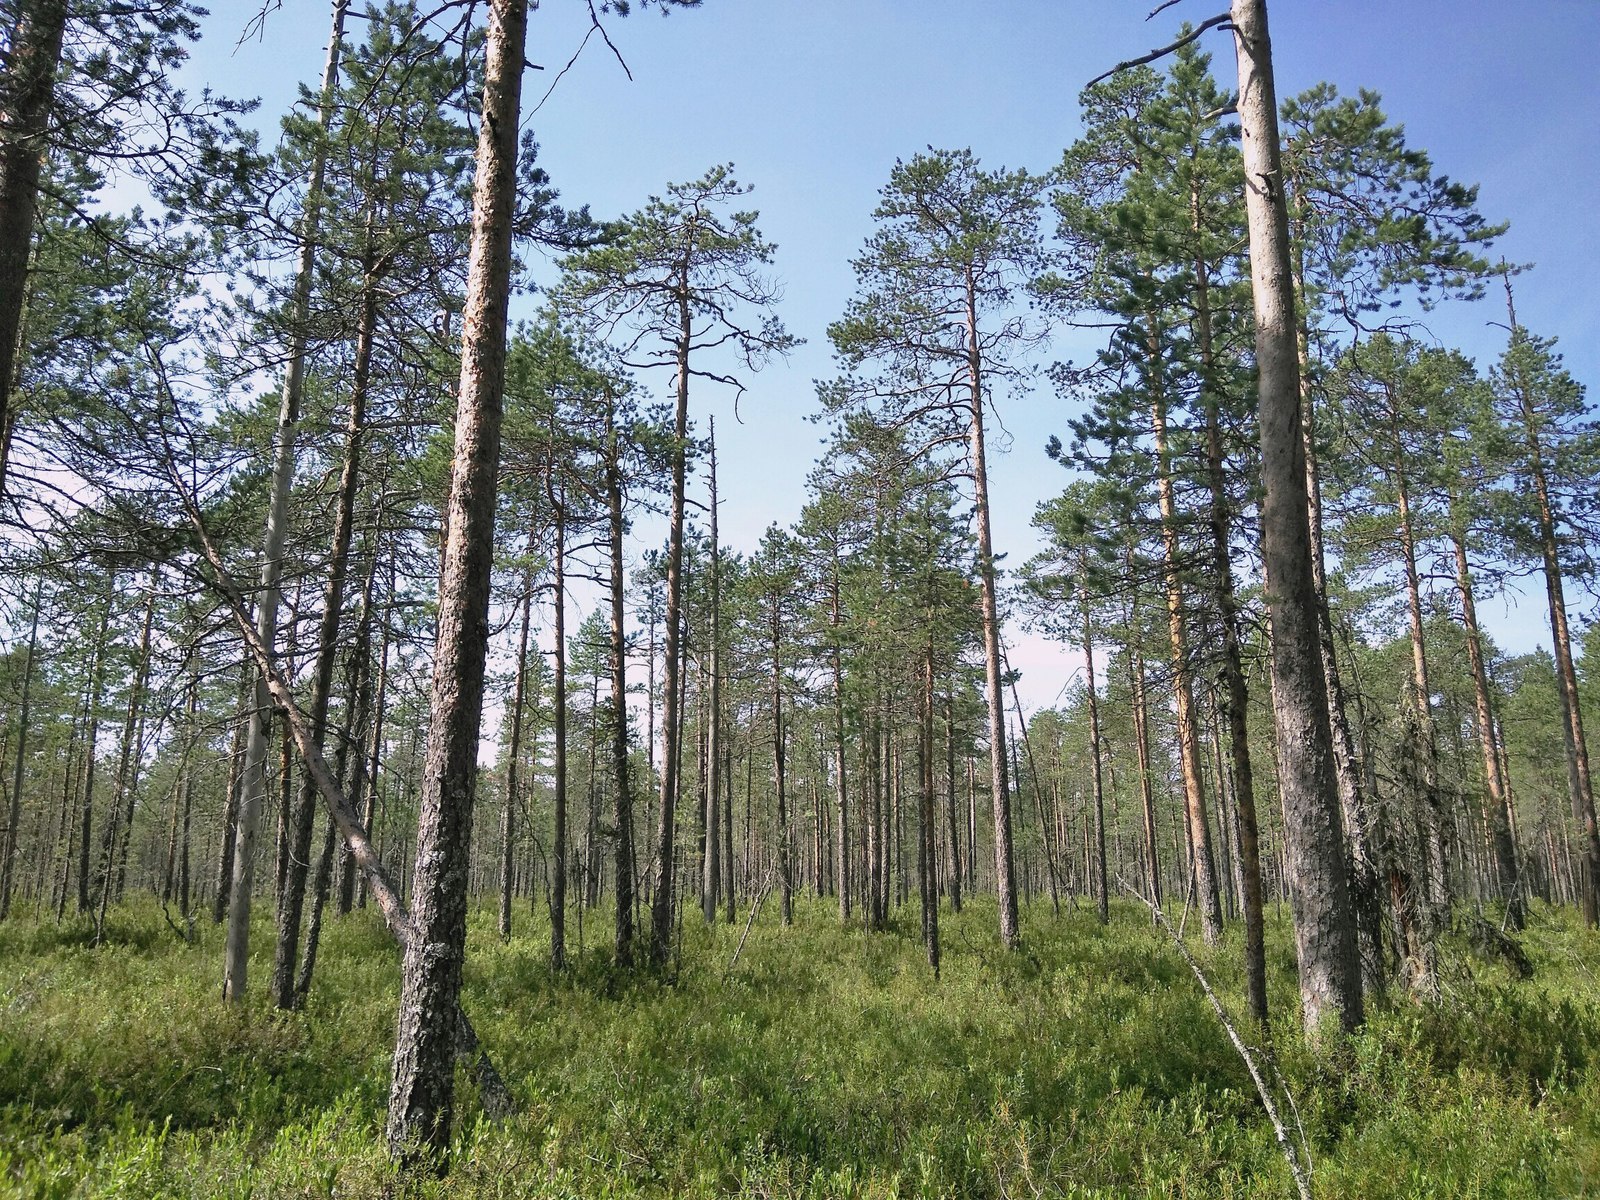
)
(1325, 935)
(422, 1091)
(236, 952)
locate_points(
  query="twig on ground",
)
(755, 907)
(1300, 1169)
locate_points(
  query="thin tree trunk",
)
(236, 953)
(375, 759)
(841, 831)
(950, 799)
(558, 729)
(508, 809)
(1496, 811)
(96, 696)
(621, 781)
(1102, 901)
(926, 878)
(125, 795)
(712, 878)
(291, 904)
(1188, 725)
(779, 773)
(1235, 696)
(666, 842)
(14, 817)
(1005, 889)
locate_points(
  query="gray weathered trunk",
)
(1325, 934)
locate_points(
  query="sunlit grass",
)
(826, 1063)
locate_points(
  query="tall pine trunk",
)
(27, 83)
(1324, 918)
(1004, 868)
(422, 1089)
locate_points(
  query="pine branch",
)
(1222, 20)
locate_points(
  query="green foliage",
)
(1086, 1065)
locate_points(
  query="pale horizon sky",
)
(813, 101)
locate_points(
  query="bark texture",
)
(1325, 935)
(422, 1086)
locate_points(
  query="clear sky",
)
(813, 100)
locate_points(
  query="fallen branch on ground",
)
(1299, 1167)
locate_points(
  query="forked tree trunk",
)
(422, 1090)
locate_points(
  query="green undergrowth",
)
(826, 1063)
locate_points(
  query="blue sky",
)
(813, 100)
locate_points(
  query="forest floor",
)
(825, 1063)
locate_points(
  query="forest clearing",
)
(500, 695)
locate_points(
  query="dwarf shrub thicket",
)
(827, 1063)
